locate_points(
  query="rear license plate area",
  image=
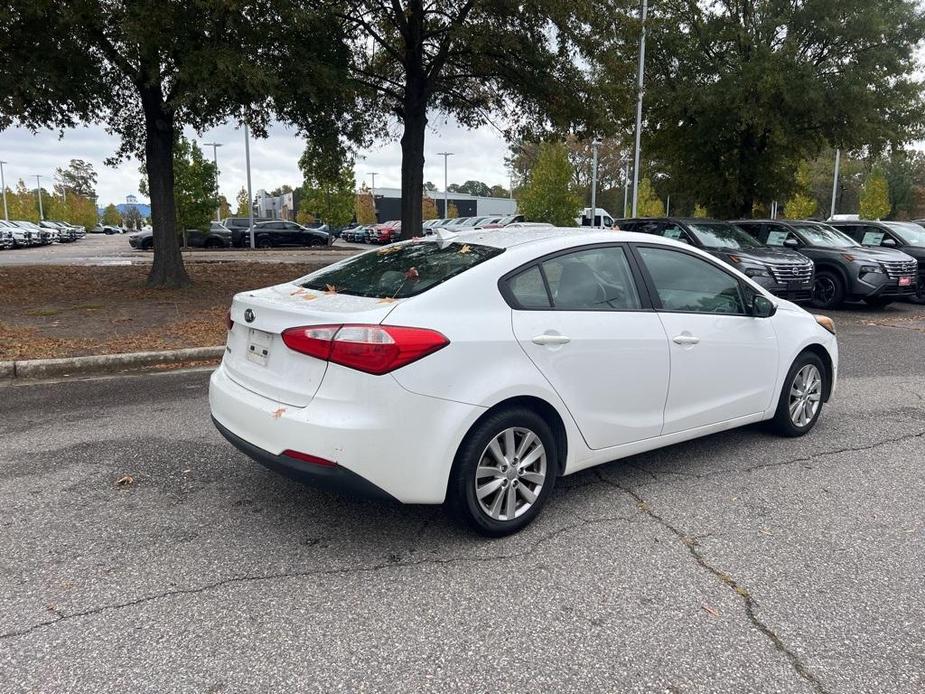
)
(258, 346)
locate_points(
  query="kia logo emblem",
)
(249, 316)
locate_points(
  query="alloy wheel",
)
(510, 474)
(805, 395)
(824, 290)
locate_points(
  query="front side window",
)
(400, 270)
(586, 280)
(909, 232)
(686, 283)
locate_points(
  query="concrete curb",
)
(102, 363)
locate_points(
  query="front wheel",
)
(800, 402)
(504, 471)
(828, 290)
(264, 242)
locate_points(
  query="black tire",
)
(147, 245)
(878, 302)
(263, 242)
(828, 290)
(214, 243)
(783, 423)
(461, 492)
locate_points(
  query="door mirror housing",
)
(791, 243)
(763, 307)
(888, 242)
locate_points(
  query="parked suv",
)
(216, 237)
(282, 233)
(909, 237)
(783, 272)
(845, 270)
(20, 237)
(240, 227)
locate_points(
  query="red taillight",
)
(229, 324)
(308, 458)
(374, 349)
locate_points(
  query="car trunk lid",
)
(257, 358)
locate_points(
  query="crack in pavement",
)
(389, 563)
(749, 602)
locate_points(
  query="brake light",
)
(374, 349)
(229, 324)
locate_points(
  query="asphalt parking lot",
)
(737, 563)
(104, 249)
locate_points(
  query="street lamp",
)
(372, 175)
(6, 213)
(215, 146)
(250, 197)
(446, 192)
(835, 181)
(38, 187)
(595, 143)
(626, 187)
(642, 61)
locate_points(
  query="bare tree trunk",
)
(167, 270)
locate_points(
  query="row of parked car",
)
(19, 233)
(824, 263)
(388, 232)
(234, 232)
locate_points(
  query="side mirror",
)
(888, 242)
(791, 243)
(763, 307)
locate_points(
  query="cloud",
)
(478, 155)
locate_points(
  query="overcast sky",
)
(479, 155)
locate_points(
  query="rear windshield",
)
(400, 270)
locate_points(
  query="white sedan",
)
(476, 369)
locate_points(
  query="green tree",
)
(700, 211)
(738, 93)
(875, 196)
(452, 211)
(648, 203)
(470, 59)
(802, 205)
(549, 195)
(132, 218)
(22, 203)
(498, 191)
(194, 186)
(364, 207)
(243, 208)
(475, 188)
(329, 189)
(224, 209)
(147, 69)
(112, 216)
(78, 178)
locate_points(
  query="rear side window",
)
(400, 270)
(586, 280)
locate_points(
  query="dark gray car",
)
(845, 270)
(218, 236)
(783, 272)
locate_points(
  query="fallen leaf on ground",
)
(710, 610)
(125, 481)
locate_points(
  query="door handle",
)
(685, 340)
(551, 340)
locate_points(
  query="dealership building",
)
(388, 204)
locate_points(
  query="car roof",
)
(538, 236)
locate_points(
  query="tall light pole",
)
(215, 146)
(372, 175)
(626, 187)
(38, 188)
(835, 182)
(446, 192)
(595, 143)
(639, 82)
(6, 213)
(250, 197)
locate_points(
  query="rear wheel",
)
(504, 471)
(147, 244)
(214, 243)
(800, 402)
(828, 290)
(264, 242)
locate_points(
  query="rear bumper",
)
(337, 479)
(385, 440)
